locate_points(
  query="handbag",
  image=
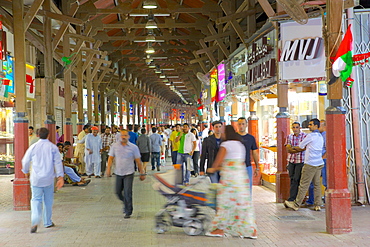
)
(189, 164)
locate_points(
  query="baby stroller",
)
(186, 207)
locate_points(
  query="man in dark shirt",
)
(210, 147)
(250, 145)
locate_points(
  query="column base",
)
(282, 186)
(338, 201)
(21, 194)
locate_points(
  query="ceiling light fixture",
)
(149, 50)
(150, 4)
(162, 76)
(150, 38)
(151, 24)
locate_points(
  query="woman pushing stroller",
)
(235, 213)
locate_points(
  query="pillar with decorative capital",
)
(21, 184)
(68, 133)
(283, 130)
(338, 198)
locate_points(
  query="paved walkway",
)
(92, 216)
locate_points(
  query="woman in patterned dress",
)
(235, 213)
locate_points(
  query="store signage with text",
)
(301, 49)
(261, 72)
(261, 66)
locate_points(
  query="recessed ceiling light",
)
(150, 4)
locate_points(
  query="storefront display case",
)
(6, 140)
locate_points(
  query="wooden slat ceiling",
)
(116, 25)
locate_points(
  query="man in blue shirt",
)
(155, 143)
(313, 163)
(125, 153)
(46, 164)
(133, 135)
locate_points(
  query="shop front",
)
(262, 87)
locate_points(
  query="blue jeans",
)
(182, 159)
(42, 202)
(215, 177)
(250, 176)
(174, 157)
(311, 194)
(124, 184)
(71, 173)
(156, 158)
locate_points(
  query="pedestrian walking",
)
(175, 144)
(250, 145)
(186, 149)
(143, 143)
(210, 147)
(93, 147)
(295, 159)
(155, 146)
(196, 153)
(125, 153)
(313, 163)
(46, 164)
(235, 213)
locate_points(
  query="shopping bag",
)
(189, 164)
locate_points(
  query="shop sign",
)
(261, 65)
(221, 82)
(302, 55)
(301, 49)
(259, 52)
(213, 79)
(30, 81)
(236, 81)
(262, 71)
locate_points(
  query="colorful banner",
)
(213, 78)
(221, 92)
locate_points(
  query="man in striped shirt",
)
(295, 159)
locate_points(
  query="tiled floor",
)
(92, 216)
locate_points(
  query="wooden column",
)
(120, 96)
(112, 98)
(102, 105)
(89, 93)
(68, 132)
(80, 107)
(234, 112)
(49, 73)
(283, 130)
(21, 184)
(96, 103)
(338, 198)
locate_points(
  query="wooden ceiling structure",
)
(110, 35)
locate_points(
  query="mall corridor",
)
(92, 216)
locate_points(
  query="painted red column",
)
(253, 130)
(50, 125)
(338, 198)
(68, 136)
(21, 184)
(80, 127)
(282, 176)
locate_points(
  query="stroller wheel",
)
(161, 228)
(162, 222)
(193, 227)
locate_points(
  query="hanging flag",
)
(343, 62)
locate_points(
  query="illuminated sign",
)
(301, 49)
(221, 82)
